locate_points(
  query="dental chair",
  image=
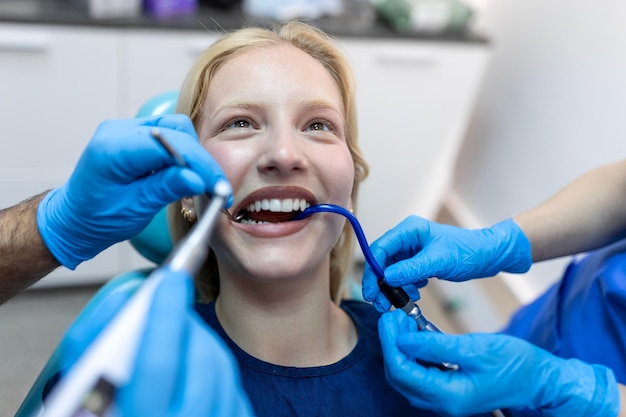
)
(153, 243)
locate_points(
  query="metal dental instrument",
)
(107, 363)
(156, 134)
(180, 161)
(396, 296)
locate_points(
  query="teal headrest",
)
(154, 242)
(164, 103)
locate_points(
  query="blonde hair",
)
(192, 97)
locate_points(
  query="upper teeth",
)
(278, 205)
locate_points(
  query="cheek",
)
(230, 158)
(340, 174)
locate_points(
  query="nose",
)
(284, 152)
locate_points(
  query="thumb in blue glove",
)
(496, 372)
(123, 178)
(418, 249)
(182, 367)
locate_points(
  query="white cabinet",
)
(414, 101)
(58, 83)
(154, 62)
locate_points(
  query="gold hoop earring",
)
(187, 213)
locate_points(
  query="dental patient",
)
(276, 109)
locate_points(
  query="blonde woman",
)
(276, 109)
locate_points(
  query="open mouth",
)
(270, 210)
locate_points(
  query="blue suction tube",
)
(356, 226)
(396, 296)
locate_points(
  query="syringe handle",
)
(396, 296)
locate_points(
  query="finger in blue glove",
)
(418, 249)
(371, 291)
(496, 371)
(123, 178)
(182, 368)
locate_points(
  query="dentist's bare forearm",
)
(622, 399)
(588, 213)
(24, 258)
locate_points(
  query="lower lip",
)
(273, 229)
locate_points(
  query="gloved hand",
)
(182, 368)
(418, 249)
(496, 372)
(123, 178)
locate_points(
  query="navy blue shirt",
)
(354, 386)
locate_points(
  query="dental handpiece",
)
(91, 384)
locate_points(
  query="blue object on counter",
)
(167, 8)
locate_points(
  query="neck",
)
(288, 323)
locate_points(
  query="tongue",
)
(271, 216)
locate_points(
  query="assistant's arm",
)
(24, 258)
(588, 213)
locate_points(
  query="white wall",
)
(553, 105)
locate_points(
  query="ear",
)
(188, 209)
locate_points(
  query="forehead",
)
(276, 70)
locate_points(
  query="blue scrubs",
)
(583, 315)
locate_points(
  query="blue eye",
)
(240, 124)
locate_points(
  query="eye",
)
(240, 124)
(318, 126)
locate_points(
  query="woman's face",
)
(274, 120)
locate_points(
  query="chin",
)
(282, 266)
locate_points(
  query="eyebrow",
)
(240, 104)
(308, 105)
(247, 105)
(319, 104)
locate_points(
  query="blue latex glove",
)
(182, 369)
(123, 178)
(418, 249)
(496, 372)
